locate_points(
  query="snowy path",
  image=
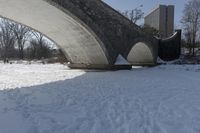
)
(164, 99)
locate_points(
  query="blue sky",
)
(148, 5)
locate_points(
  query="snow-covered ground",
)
(53, 99)
(26, 75)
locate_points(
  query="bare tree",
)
(13, 38)
(22, 34)
(7, 39)
(39, 46)
(134, 15)
(191, 22)
(188, 38)
(125, 13)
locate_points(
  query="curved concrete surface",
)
(170, 48)
(115, 31)
(78, 42)
(141, 54)
(90, 33)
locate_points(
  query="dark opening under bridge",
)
(90, 33)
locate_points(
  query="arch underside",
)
(141, 54)
(77, 41)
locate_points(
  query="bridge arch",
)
(143, 52)
(77, 41)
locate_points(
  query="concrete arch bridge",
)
(90, 33)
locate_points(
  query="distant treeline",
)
(20, 42)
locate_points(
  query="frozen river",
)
(40, 98)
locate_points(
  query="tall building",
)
(162, 19)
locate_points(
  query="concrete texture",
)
(116, 31)
(170, 48)
(77, 41)
(162, 19)
(140, 54)
(143, 52)
(90, 33)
